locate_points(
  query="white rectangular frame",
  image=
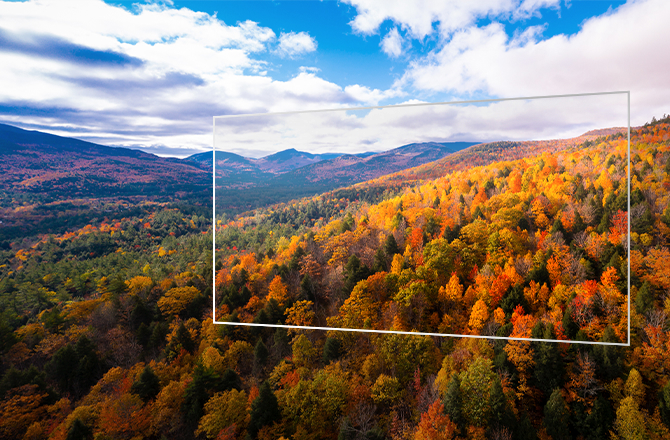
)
(248, 324)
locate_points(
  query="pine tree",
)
(79, 431)
(644, 299)
(501, 411)
(380, 264)
(264, 411)
(331, 350)
(147, 386)
(453, 402)
(556, 416)
(548, 370)
(205, 382)
(664, 402)
(608, 357)
(525, 429)
(260, 354)
(601, 419)
(307, 288)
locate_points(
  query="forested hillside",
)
(107, 330)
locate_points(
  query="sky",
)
(152, 75)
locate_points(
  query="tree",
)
(453, 402)
(664, 400)
(556, 416)
(476, 384)
(386, 390)
(264, 411)
(278, 291)
(548, 372)
(501, 412)
(181, 340)
(634, 387)
(479, 315)
(260, 354)
(630, 421)
(435, 425)
(354, 272)
(525, 429)
(147, 386)
(331, 350)
(224, 410)
(644, 300)
(608, 357)
(205, 382)
(177, 299)
(79, 431)
(391, 246)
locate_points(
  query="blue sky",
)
(152, 75)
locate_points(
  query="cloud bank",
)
(155, 75)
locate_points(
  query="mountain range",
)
(57, 168)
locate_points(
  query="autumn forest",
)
(106, 327)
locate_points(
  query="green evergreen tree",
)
(229, 380)
(79, 431)
(453, 402)
(147, 386)
(354, 271)
(570, 327)
(525, 429)
(62, 367)
(601, 420)
(501, 411)
(204, 383)
(608, 357)
(548, 372)
(182, 339)
(557, 416)
(644, 299)
(264, 411)
(664, 403)
(307, 288)
(391, 246)
(379, 264)
(331, 350)
(260, 354)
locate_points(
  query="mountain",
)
(326, 175)
(58, 167)
(277, 163)
(40, 168)
(348, 169)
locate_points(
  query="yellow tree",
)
(222, 411)
(177, 299)
(479, 315)
(301, 313)
(278, 291)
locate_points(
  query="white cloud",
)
(370, 97)
(294, 44)
(620, 50)
(154, 75)
(392, 43)
(380, 129)
(419, 16)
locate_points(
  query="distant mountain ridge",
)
(247, 189)
(295, 168)
(62, 167)
(276, 163)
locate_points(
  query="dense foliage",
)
(106, 329)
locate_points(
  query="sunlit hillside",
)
(107, 329)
